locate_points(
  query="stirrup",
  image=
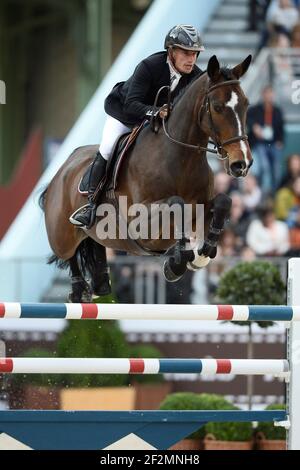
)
(81, 209)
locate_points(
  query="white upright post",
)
(293, 350)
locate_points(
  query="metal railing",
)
(141, 280)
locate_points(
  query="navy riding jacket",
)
(129, 101)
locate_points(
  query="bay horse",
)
(170, 163)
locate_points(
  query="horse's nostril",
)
(237, 167)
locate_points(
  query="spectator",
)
(222, 183)
(275, 3)
(280, 41)
(257, 13)
(293, 222)
(286, 198)
(247, 254)
(282, 17)
(239, 219)
(295, 40)
(266, 136)
(228, 243)
(267, 236)
(283, 66)
(292, 171)
(250, 193)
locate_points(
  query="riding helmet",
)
(185, 37)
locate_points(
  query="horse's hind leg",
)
(81, 291)
(178, 256)
(100, 271)
(219, 212)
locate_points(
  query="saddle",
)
(123, 144)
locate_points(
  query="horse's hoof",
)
(73, 298)
(87, 297)
(104, 290)
(169, 274)
(198, 263)
(103, 287)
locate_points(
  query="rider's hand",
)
(163, 112)
(258, 131)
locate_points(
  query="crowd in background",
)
(273, 17)
(265, 215)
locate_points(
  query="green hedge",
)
(93, 338)
(235, 431)
(252, 283)
(42, 380)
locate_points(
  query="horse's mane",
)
(226, 72)
(183, 90)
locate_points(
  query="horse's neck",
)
(185, 116)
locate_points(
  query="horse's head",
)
(223, 115)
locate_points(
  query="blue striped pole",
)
(20, 365)
(150, 312)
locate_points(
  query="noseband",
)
(206, 108)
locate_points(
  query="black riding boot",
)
(86, 216)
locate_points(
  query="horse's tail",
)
(86, 257)
(60, 263)
(85, 253)
(42, 199)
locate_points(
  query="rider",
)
(130, 102)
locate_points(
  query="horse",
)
(162, 166)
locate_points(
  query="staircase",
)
(227, 36)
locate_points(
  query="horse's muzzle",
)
(238, 168)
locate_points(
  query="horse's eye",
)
(218, 108)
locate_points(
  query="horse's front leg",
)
(217, 214)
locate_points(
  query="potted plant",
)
(150, 389)
(94, 391)
(184, 401)
(229, 435)
(194, 401)
(252, 283)
(268, 436)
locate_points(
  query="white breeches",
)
(112, 130)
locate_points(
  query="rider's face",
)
(184, 61)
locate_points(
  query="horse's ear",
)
(213, 68)
(239, 70)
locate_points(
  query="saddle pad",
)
(114, 163)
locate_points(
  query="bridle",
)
(205, 108)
